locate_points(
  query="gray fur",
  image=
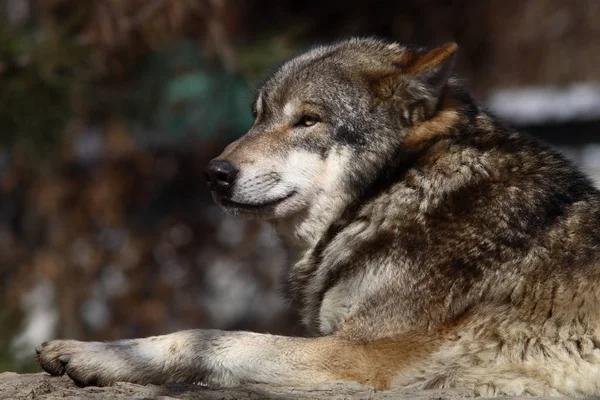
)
(433, 247)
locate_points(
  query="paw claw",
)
(54, 356)
(78, 360)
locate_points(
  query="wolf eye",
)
(307, 120)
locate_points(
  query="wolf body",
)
(433, 247)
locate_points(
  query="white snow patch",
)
(534, 105)
(41, 319)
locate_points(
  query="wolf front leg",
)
(210, 356)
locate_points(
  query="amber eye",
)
(307, 120)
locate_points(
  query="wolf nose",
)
(220, 175)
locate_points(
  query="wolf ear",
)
(414, 83)
(432, 69)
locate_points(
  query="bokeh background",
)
(109, 110)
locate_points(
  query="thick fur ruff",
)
(433, 247)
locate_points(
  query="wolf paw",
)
(83, 362)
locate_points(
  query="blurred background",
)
(109, 110)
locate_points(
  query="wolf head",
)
(325, 122)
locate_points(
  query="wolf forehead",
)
(342, 63)
(339, 73)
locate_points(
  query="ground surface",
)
(43, 386)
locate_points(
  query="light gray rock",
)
(43, 386)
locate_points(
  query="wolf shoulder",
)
(471, 214)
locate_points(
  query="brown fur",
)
(432, 246)
(446, 117)
(379, 362)
(432, 58)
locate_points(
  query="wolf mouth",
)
(254, 206)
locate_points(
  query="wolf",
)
(433, 247)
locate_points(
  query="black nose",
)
(220, 175)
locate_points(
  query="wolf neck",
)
(304, 230)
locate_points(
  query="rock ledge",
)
(42, 386)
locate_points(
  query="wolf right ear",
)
(417, 75)
(433, 68)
